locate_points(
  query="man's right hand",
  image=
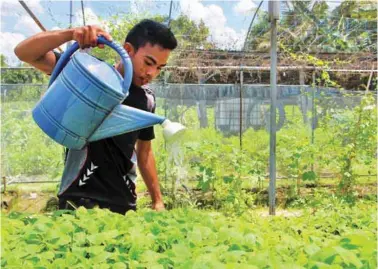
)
(86, 36)
(37, 50)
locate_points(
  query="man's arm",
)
(147, 167)
(37, 49)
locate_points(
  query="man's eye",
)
(148, 63)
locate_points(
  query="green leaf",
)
(66, 227)
(119, 265)
(348, 256)
(64, 240)
(234, 256)
(195, 236)
(234, 247)
(101, 257)
(95, 250)
(179, 253)
(228, 179)
(311, 249)
(80, 238)
(326, 255)
(309, 176)
(155, 229)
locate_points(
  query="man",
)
(103, 174)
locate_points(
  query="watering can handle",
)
(128, 67)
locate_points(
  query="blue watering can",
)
(84, 101)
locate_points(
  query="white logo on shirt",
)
(86, 176)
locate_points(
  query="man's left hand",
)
(158, 206)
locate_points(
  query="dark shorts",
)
(74, 203)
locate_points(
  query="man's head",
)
(149, 44)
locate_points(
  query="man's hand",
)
(86, 36)
(158, 206)
(37, 50)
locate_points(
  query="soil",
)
(37, 202)
(30, 202)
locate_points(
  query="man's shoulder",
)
(150, 94)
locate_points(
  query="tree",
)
(309, 26)
(21, 76)
(359, 20)
(188, 33)
(3, 60)
(258, 38)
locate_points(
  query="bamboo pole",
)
(35, 19)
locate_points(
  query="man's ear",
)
(129, 48)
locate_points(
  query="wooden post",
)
(5, 183)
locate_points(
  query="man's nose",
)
(151, 71)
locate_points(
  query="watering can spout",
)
(124, 119)
(172, 131)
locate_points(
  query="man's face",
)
(147, 62)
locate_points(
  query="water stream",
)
(176, 166)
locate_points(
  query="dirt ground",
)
(34, 201)
(30, 202)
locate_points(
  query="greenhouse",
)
(276, 168)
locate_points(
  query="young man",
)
(103, 174)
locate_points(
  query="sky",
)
(228, 21)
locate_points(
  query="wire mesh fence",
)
(228, 118)
(228, 133)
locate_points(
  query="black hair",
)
(149, 31)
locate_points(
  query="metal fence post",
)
(274, 7)
(313, 117)
(165, 142)
(241, 110)
(241, 123)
